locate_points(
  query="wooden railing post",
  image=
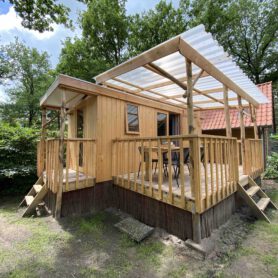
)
(61, 158)
(42, 145)
(242, 135)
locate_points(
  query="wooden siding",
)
(105, 120)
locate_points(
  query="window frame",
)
(167, 122)
(127, 131)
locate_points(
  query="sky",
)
(51, 42)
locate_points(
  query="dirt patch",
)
(92, 247)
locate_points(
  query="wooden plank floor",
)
(176, 188)
(82, 183)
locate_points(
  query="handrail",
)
(79, 155)
(203, 163)
(72, 139)
(173, 137)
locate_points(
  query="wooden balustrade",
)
(164, 168)
(40, 158)
(79, 170)
(254, 157)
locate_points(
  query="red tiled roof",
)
(215, 119)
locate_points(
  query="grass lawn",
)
(91, 247)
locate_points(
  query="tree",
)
(5, 66)
(103, 43)
(105, 29)
(247, 29)
(77, 59)
(40, 15)
(156, 26)
(31, 82)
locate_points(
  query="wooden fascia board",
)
(50, 90)
(146, 57)
(88, 88)
(187, 51)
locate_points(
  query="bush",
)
(17, 158)
(272, 166)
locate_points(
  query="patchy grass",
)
(91, 247)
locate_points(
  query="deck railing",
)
(164, 168)
(254, 162)
(79, 159)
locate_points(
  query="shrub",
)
(272, 166)
(17, 157)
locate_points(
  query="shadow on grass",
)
(88, 246)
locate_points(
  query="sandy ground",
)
(92, 247)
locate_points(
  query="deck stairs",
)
(34, 197)
(255, 198)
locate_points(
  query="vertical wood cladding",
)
(147, 210)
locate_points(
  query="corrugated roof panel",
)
(174, 64)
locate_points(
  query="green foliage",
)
(247, 29)
(32, 78)
(105, 29)
(155, 26)
(77, 59)
(40, 15)
(272, 166)
(103, 43)
(274, 136)
(17, 157)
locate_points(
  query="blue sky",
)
(51, 42)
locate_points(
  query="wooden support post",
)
(189, 95)
(61, 158)
(227, 112)
(242, 134)
(254, 120)
(194, 181)
(43, 143)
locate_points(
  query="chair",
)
(174, 162)
(154, 160)
(186, 160)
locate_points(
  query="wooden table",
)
(147, 150)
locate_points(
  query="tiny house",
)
(134, 140)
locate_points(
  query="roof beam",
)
(126, 90)
(167, 83)
(146, 57)
(165, 74)
(153, 67)
(142, 89)
(187, 51)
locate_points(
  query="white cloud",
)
(11, 22)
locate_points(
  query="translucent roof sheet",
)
(136, 76)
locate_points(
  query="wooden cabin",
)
(133, 140)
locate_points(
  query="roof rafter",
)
(162, 72)
(189, 52)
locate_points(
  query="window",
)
(132, 119)
(161, 124)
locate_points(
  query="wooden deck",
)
(214, 195)
(176, 184)
(75, 180)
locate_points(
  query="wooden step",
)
(243, 180)
(38, 198)
(37, 188)
(253, 190)
(29, 200)
(263, 202)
